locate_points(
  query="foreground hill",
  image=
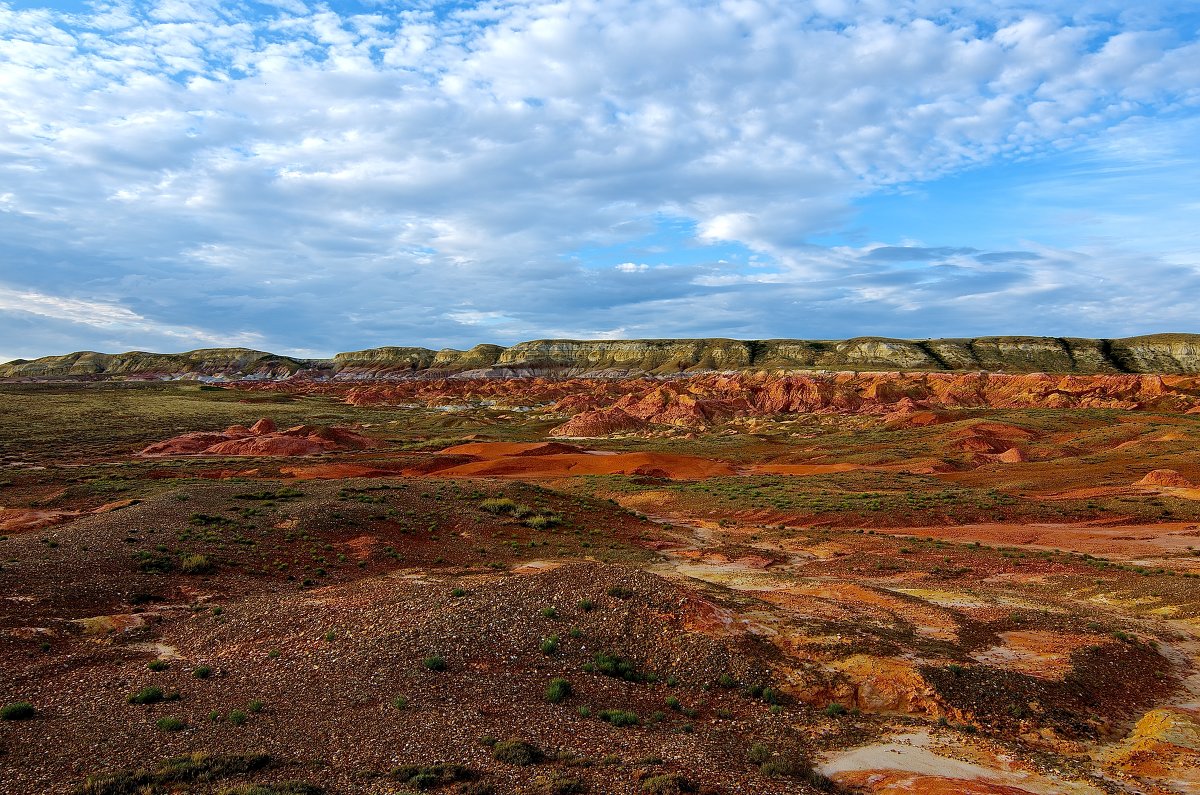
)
(1177, 354)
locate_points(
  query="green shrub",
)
(202, 671)
(758, 754)
(668, 784)
(557, 690)
(430, 776)
(157, 665)
(620, 717)
(558, 784)
(550, 645)
(516, 752)
(434, 663)
(237, 717)
(255, 706)
(549, 612)
(199, 767)
(18, 710)
(498, 506)
(148, 695)
(618, 667)
(542, 521)
(195, 564)
(170, 724)
(285, 788)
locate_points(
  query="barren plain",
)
(855, 582)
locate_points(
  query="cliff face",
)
(233, 363)
(1169, 354)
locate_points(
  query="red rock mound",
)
(601, 422)
(263, 439)
(1166, 477)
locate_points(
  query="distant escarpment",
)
(1166, 354)
(217, 363)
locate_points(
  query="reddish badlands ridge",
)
(262, 438)
(601, 407)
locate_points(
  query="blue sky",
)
(308, 178)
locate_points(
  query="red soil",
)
(336, 471)
(535, 460)
(263, 439)
(17, 520)
(892, 782)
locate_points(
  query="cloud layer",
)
(311, 178)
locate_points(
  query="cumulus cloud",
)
(332, 179)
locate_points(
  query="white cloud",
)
(109, 317)
(334, 180)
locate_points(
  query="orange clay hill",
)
(600, 579)
(261, 439)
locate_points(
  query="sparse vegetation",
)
(516, 752)
(558, 690)
(18, 710)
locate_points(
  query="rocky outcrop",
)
(606, 406)
(1165, 354)
(203, 364)
(261, 439)
(1166, 477)
(602, 422)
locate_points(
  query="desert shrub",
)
(557, 690)
(170, 724)
(498, 505)
(430, 776)
(516, 752)
(542, 521)
(237, 717)
(758, 754)
(255, 706)
(198, 767)
(614, 666)
(157, 665)
(150, 695)
(202, 671)
(668, 784)
(586, 605)
(834, 710)
(286, 788)
(620, 718)
(18, 710)
(150, 563)
(434, 663)
(195, 564)
(550, 645)
(558, 784)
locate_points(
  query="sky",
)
(308, 178)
